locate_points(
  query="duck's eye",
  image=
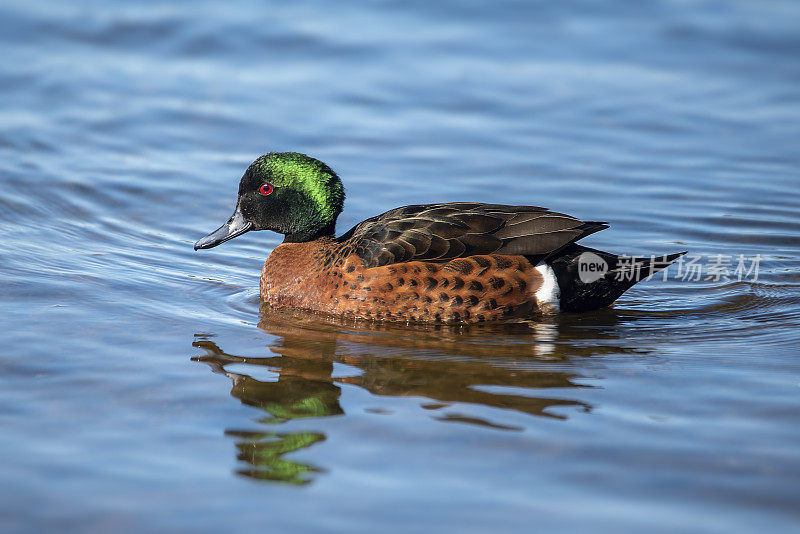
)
(265, 189)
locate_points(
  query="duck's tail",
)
(589, 279)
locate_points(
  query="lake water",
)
(144, 388)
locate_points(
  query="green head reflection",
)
(289, 397)
(265, 451)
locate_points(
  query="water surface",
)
(143, 387)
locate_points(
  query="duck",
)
(452, 262)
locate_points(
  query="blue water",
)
(144, 388)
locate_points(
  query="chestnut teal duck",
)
(454, 262)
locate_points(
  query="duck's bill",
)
(235, 226)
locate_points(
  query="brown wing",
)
(442, 232)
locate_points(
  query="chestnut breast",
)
(472, 289)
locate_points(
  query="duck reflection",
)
(500, 366)
(294, 395)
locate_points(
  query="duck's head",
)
(285, 192)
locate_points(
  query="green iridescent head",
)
(286, 192)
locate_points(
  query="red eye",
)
(265, 189)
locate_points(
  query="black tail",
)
(591, 279)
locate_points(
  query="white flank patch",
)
(549, 295)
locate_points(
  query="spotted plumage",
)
(451, 262)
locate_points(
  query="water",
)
(143, 388)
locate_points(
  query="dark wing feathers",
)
(442, 232)
(551, 222)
